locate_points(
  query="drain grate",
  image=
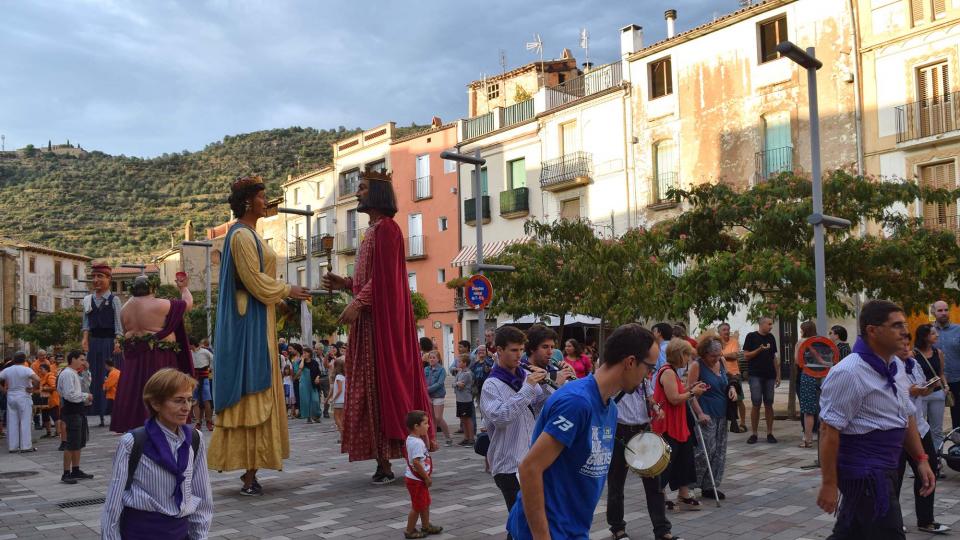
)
(81, 502)
(17, 474)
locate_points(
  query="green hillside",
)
(119, 207)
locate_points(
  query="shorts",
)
(464, 409)
(761, 389)
(419, 494)
(438, 400)
(52, 413)
(77, 431)
(737, 384)
(202, 392)
(338, 406)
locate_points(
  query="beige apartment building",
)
(909, 53)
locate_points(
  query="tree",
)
(29, 151)
(61, 328)
(421, 310)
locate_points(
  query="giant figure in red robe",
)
(385, 377)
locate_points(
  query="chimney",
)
(587, 67)
(671, 16)
(631, 40)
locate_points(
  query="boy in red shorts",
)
(417, 476)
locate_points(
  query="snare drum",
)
(647, 454)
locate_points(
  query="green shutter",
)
(518, 173)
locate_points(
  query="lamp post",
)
(207, 246)
(306, 318)
(808, 60)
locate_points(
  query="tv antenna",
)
(503, 73)
(585, 44)
(3, 143)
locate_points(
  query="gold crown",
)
(245, 181)
(377, 175)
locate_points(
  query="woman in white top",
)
(170, 489)
(18, 379)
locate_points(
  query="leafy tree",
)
(29, 151)
(421, 310)
(61, 328)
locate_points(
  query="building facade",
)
(315, 189)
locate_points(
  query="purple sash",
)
(863, 463)
(140, 525)
(513, 380)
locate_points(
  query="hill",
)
(119, 207)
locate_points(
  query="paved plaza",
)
(769, 495)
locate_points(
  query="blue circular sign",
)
(479, 291)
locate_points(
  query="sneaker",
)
(465, 443)
(67, 479)
(389, 477)
(708, 494)
(63, 446)
(80, 475)
(734, 428)
(449, 442)
(752, 439)
(935, 528)
(28, 450)
(771, 439)
(431, 529)
(252, 491)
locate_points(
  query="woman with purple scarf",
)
(168, 490)
(867, 421)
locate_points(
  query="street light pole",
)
(306, 316)
(207, 303)
(808, 60)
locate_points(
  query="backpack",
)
(136, 452)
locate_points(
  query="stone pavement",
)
(320, 494)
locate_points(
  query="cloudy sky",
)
(148, 77)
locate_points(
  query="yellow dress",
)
(252, 434)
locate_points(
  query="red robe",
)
(384, 373)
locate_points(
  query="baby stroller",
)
(949, 451)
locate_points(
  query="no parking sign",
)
(479, 291)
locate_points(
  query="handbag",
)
(948, 395)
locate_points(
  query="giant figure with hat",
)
(383, 363)
(101, 330)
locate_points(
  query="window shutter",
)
(916, 7)
(939, 7)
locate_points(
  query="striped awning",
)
(468, 255)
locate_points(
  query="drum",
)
(647, 454)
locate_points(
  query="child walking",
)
(463, 389)
(339, 392)
(417, 477)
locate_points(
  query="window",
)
(483, 180)
(32, 265)
(377, 166)
(296, 231)
(940, 176)
(777, 155)
(352, 220)
(935, 102)
(661, 78)
(665, 161)
(76, 302)
(441, 275)
(772, 33)
(570, 209)
(517, 169)
(76, 271)
(493, 91)
(442, 223)
(349, 182)
(449, 166)
(350, 268)
(33, 307)
(568, 138)
(57, 274)
(57, 304)
(938, 9)
(301, 276)
(296, 195)
(412, 281)
(321, 225)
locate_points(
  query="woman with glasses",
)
(710, 410)
(168, 488)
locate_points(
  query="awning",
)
(571, 320)
(468, 255)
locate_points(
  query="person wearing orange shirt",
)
(48, 392)
(39, 402)
(110, 385)
(733, 356)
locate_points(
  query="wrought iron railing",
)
(478, 125)
(934, 116)
(596, 80)
(470, 209)
(569, 168)
(422, 188)
(772, 162)
(316, 243)
(518, 112)
(664, 182)
(349, 184)
(416, 247)
(515, 201)
(297, 248)
(349, 241)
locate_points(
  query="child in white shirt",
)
(418, 476)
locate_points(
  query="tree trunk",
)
(563, 324)
(600, 343)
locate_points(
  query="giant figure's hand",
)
(350, 314)
(333, 282)
(299, 293)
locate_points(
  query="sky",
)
(148, 77)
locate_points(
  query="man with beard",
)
(101, 331)
(383, 366)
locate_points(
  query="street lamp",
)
(207, 246)
(306, 318)
(477, 162)
(808, 60)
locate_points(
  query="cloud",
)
(144, 78)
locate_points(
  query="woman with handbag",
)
(931, 361)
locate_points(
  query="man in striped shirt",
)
(510, 401)
(867, 419)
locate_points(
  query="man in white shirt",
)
(73, 400)
(18, 380)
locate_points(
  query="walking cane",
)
(706, 454)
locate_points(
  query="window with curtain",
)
(518, 173)
(665, 168)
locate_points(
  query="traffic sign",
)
(817, 355)
(479, 291)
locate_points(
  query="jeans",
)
(955, 410)
(761, 390)
(616, 478)
(934, 406)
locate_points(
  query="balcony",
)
(596, 81)
(516, 113)
(477, 126)
(316, 243)
(662, 184)
(470, 210)
(927, 118)
(422, 188)
(515, 202)
(61, 281)
(567, 172)
(349, 241)
(773, 162)
(297, 249)
(416, 247)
